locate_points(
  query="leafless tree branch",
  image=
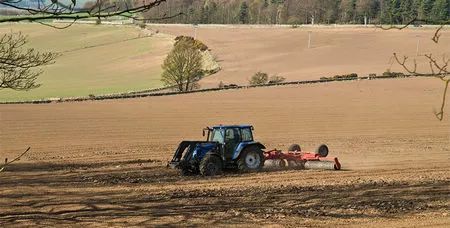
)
(101, 9)
(18, 64)
(14, 160)
(437, 69)
(416, 20)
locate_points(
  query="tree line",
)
(301, 11)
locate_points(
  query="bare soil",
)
(102, 163)
(242, 52)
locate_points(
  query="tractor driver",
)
(231, 141)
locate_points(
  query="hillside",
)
(94, 60)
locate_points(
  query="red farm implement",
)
(295, 158)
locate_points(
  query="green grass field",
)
(94, 60)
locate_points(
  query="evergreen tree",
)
(407, 12)
(440, 10)
(243, 13)
(425, 9)
(394, 12)
(303, 11)
(348, 10)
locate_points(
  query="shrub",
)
(393, 74)
(142, 25)
(196, 43)
(230, 86)
(345, 76)
(276, 79)
(259, 78)
(387, 73)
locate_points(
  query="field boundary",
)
(156, 92)
(275, 26)
(129, 22)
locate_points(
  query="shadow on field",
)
(139, 171)
(47, 166)
(90, 197)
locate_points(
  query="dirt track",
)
(102, 163)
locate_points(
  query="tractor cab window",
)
(232, 135)
(232, 140)
(247, 134)
(217, 136)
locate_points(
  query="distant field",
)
(242, 51)
(95, 60)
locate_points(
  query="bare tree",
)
(183, 66)
(18, 64)
(438, 67)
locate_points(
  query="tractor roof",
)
(234, 126)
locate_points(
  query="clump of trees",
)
(261, 78)
(183, 66)
(276, 79)
(19, 65)
(301, 11)
(195, 43)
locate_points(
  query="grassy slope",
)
(112, 65)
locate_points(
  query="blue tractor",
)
(226, 147)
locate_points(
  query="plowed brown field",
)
(241, 52)
(102, 163)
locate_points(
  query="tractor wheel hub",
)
(252, 160)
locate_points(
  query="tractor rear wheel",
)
(210, 165)
(294, 147)
(251, 159)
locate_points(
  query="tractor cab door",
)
(232, 140)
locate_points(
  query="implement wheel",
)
(322, 150)
(251, 159)
(210, 165)
(295, 147)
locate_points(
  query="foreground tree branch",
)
(437, 69)
(2, 167)
(19, 65)
(65, 10)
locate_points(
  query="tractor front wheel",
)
(251, 159)
(210, 165)
(185, 172)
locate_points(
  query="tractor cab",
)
(230, 145)
(229, 138)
